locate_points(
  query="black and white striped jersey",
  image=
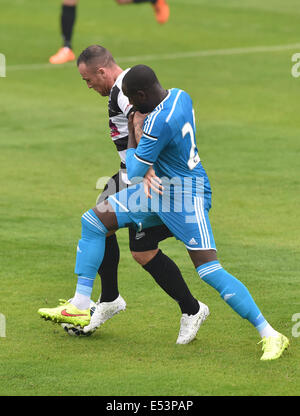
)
(118, 110)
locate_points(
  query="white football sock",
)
(268, 331)
(81, 302)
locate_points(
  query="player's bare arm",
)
(151, 181)
(138, 121)
(132, 143)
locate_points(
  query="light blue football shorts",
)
(188, 222)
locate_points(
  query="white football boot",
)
(190, 324)
(105, 311)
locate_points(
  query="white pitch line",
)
(168, 56)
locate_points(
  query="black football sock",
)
(68, 16)
(169, 278)
(108, 270)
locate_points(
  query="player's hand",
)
(151, 181)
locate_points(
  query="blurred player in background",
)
(68, 17)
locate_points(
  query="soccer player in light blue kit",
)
(180, 197)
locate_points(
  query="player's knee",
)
(143, 257)
(91, 225)
(200, 257)
(138, 257)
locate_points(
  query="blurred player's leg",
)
(161, 8)
(68, 17)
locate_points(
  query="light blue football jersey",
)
(169, 145)
(169, 142)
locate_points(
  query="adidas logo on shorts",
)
(193, 242)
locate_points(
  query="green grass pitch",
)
(54, 145)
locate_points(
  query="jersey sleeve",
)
(136, 170)
(151, 144)
(154, 139)
(124, 104)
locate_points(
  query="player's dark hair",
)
(140, 77)
(96, 53)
